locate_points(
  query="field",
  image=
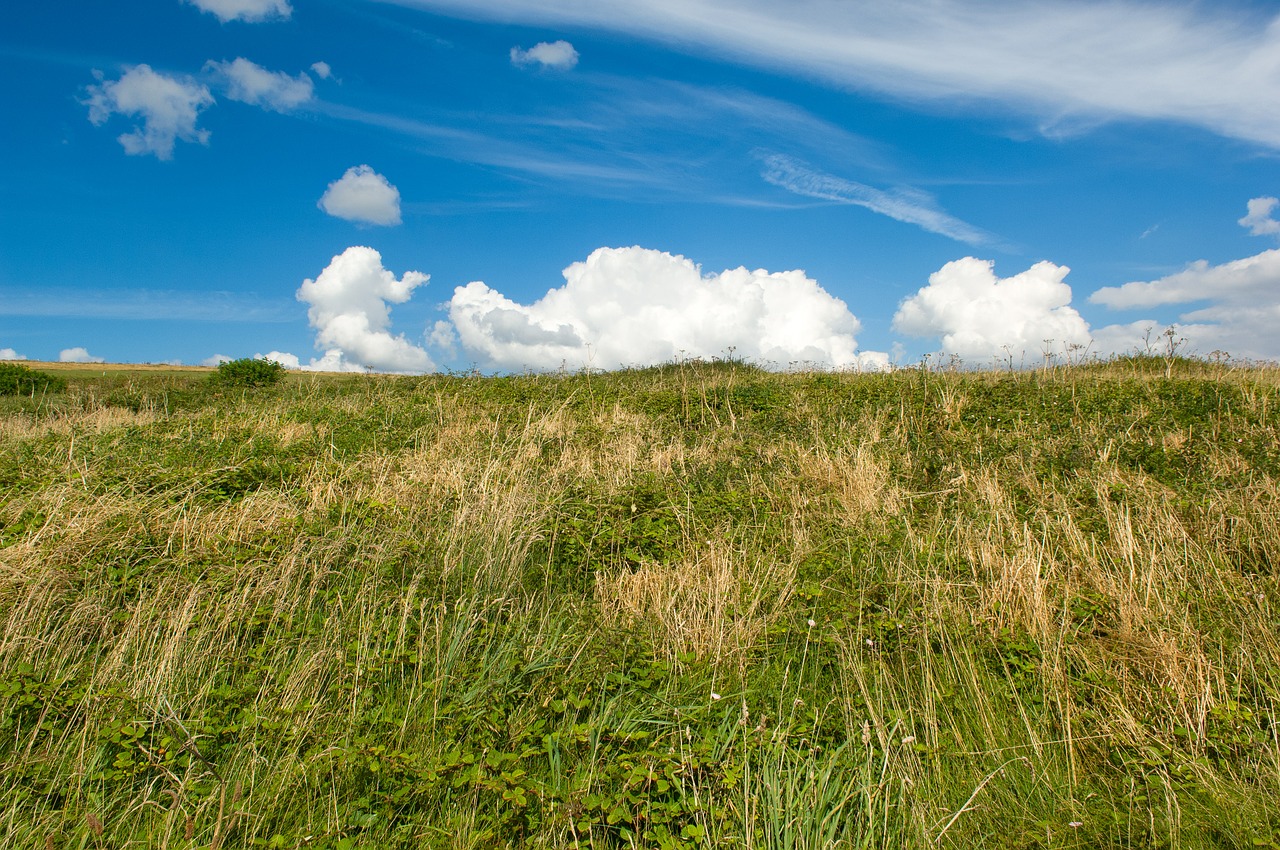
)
(698, 605)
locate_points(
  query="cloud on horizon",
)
(10, 354)
(250, 11)
(1063, 63)
(168, 107)
(364, 196)
(1241, 304)
(349, 309)
(637, 307)
(79, 354)
(978, 316)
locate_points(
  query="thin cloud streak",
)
(463, 145)
(627, 135)
(909, 206)
(147, 305)
(1068, 64)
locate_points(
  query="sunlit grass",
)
(694, 605)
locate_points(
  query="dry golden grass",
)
(714, 605)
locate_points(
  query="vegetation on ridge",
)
(17, 379)
(698, 605)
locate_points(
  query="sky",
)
(527, 185)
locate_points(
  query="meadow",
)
(697, 605)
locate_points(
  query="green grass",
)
(698, 605)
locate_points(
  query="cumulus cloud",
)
(559, 55)
(167, 106)
(1259, 219)
(1241, 304)
(349, 310)
(362, 195)
(1239, 281)
(251, 83)
(909, 206)
(633, 306)
(978, 316)
(245, 10)
(10, 354)
(215, 360)
(322, 70)
(78, 355)
(284, 358)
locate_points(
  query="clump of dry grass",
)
(715, 605)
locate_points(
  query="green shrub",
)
(248, 372)
(16, 379)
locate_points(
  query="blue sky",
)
(608, 183)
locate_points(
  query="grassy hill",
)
(691, 606)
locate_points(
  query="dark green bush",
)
(16, 379)
(248, 372)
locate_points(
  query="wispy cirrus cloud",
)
(646, 138)
(908, 205)
(146, 304)
(250, 11)
(1062, 63)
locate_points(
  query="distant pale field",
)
(89, 370)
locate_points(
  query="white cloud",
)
(349, 310)
(322, 70)
(1259, 219)
(633, 306)
(910, 206)
(284, 358)
(444, 338)
(362, 195)
(1063, 62)
(215, 360)
(10, 354)
(332, 361)
(245, 10)
(559, 55)
(1241, 282)
(168, 106)
(250, 83)
(1241, 304)
(978, 316)
(78, 355)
